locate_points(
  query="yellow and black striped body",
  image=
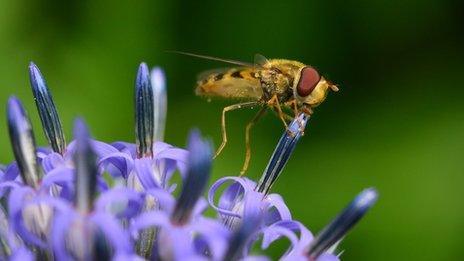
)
(239, 83)
(251, 83)
(275, 77)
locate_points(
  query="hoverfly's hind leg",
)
(250, 124)
(274, 103)
(223, 122)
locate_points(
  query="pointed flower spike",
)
(241, 237)
(282, 153)
(47, 111)
(158, 81)
(252, 220)
(199, 168)
(144, 115)
(339, 227)
(23, 142)
(86, 170)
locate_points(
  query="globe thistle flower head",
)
(92, 200)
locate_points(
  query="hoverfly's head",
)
(310, 88)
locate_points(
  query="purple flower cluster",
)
(91, 200)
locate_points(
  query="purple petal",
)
(113, 232)
(6, 186)
(176, 244)
(297, 248)
(148, 220)
(165, 200)
(101, 149)
(61, 176)
(53, 161)
(61, 226)
(275, 232)
(214, 234)
(144, 169)
(228, 199)
(16, 202)
(117, 164)
(245, 231)
(22, 254)
(12, 172)
(121, 202)
(277, 209)
(125, 147)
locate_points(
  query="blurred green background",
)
(397, 123)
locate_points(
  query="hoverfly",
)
(275, 83)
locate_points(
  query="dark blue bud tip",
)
(36, 78)
(23, 142)
(86, 170)
(340, 226)
(199, 169)
(143, 74)
(144, 113)
(48, 113)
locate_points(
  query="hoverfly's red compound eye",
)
(308, 80)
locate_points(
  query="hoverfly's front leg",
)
(292, 104)
(223, 122)
(274, 103)
(305, 109)
(250, 124)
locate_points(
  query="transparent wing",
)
(260, 60)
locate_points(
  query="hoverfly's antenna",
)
(212, 58)
(334, 87)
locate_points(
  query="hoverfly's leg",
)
(250, 124)
(286, 117)
(223, 122)
(274, 102)
(292, 104)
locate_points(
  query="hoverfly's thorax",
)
(277, 79)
